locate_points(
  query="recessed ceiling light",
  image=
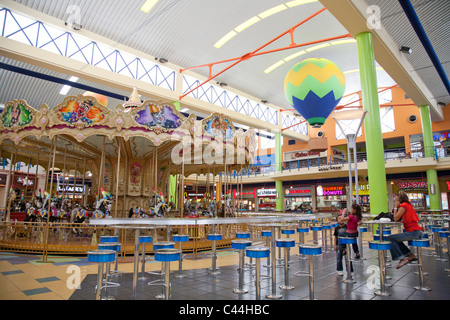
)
(247, 24)
(148, 5)
(294, 3)
(225, 38)
(272, 11)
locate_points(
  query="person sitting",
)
(404, 211)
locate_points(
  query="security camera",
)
(412, 118)
(320, 134)
(75, 26)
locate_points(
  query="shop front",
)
(331, 198)
(266, 199)
(417, 191)
(245, 200)
(298, 199)
(303, 159)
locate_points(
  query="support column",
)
(279, 163)
(428, 144)
(372, 124)
(173, 191)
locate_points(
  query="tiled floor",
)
(25, 277)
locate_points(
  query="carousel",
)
(130, 161)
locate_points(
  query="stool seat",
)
(376, 237)
(380, 245)
(316, 228)
(266, 233)
(334, 225)
(438, 229)
(180, 237)
(444, 234)
(167, 254)
(109, 239)
(285, 243)
(385, 232)
(346, 240)
(242, 235)
(163, 245)
(425, 236)
(310, 249)
(288, 231)
(363, 229)
(115, 246)
(240, 244)
(257, 252)
(303, 229)
(101, 256)
(423, 243)
(145, 239)
(214, 236)
(327, 227)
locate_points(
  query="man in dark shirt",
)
(340, 231)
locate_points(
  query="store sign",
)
(297, 192)
(333, 191)
(267, 193)
(69, 189)
(302, 155)
(363, 189)
(413, 185)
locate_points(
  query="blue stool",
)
(287, 244)
(158, 246)
(311, 251)
(267, 234)
(180, 238)
(419, 244)
(302, 231)
(143, 240)
(360, 241)
(257, 253)
(287, 232)
(437, 240)
(115, 239)
(101, 257)
(325, 229)
(348, 241)
(242, 235)
(315, 229)
(166, 256)
(442, 235)
(381, 247)
(104, 239)
(214, 237)
(240, 245)
(114, 246)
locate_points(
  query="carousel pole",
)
(35, 178)
(8, 186)
(84, 179)
(74, 181)
(64, 170)
(101, 171)
(117, 183)
(28, 173)
(47, 225)
(182, 186)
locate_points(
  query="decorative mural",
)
(162, 117)
(218, 125)
(16, 114)
(80, 112)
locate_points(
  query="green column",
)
(428, 144)
(279, 162)
(372, 124)
(173, 192)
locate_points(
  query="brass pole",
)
(117, 182)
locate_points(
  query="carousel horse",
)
(102, 208)
(78, 216)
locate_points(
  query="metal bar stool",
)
(287, 244)
(315, 229)
(311, 251)
(360, 241)
(258, 253)
(101, 257)
(158, 246)
(214, 237)
(240, 245)
(245, 235)
(180, 238)
(348, 241)
(419, 244)
(325, 229)
(166, 256)
(114, 246)
(143, 240)
(440, 244)
(115, 238)
(381, 247)
(302, 231)
(436, 240)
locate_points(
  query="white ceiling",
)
(185, 31)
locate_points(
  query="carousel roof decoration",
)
(134, 100)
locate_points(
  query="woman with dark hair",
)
(404, 211)
(353, 220)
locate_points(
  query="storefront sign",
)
(297, 192)
(244, 194)
(267, 193)
(413, 185)
(69, 189)
(302, 155)
(333, 191)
